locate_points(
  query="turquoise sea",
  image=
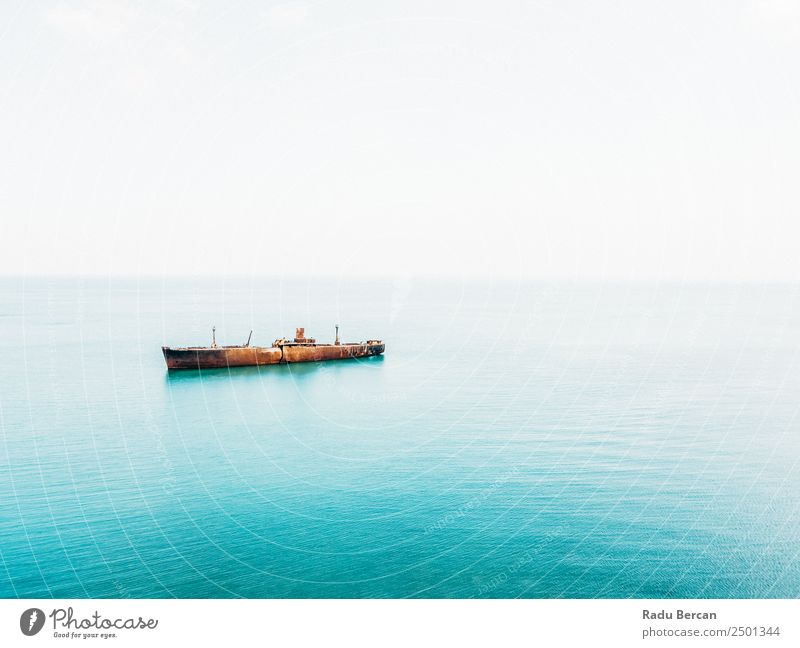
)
(516, 440)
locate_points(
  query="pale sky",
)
(630, 140)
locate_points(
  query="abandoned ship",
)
(282, 351)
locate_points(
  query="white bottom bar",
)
(381, 623)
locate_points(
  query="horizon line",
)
(406, 276)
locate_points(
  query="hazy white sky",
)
(574, 139)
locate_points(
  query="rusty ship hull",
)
(282, 351)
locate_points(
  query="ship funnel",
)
(300, 337)
(337, 343)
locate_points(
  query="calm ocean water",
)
(517, 440)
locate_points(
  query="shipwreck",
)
(282, 351)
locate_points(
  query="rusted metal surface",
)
(220, 356)
(317, 352)
(282, 351)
